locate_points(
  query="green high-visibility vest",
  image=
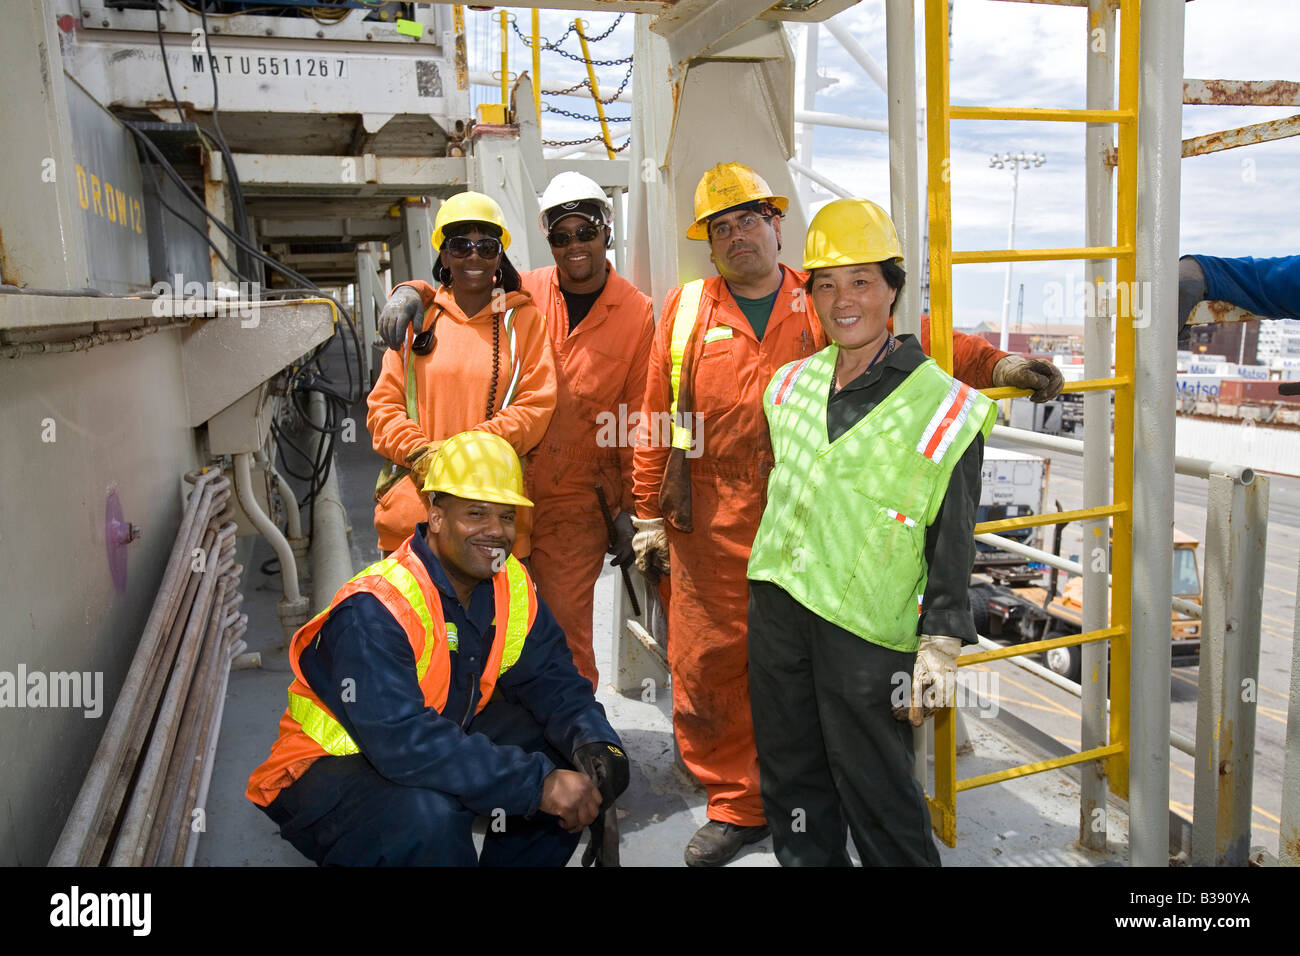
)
(844, 528)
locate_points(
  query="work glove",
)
(934, 678)
(602, 848)
(1191, 290)
(1016, 371)
(420, 460)
(651, 545)
(624, 531)
(608, 768)
(401, 309)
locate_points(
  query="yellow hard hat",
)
(724, 186)
(470, 207)
(478, 466)
(847, 232)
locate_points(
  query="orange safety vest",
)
(308, 731)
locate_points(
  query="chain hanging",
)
(548, 108)
(548, 45)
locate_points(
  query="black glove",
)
(608, 768)
(622, 549)
(402, 308)
(602, 847)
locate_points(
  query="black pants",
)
(831, 756)
(341, 812)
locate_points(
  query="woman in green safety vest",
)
(859, 573)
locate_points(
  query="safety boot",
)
(717, 843)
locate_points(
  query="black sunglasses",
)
(461, 247)
(559, 238)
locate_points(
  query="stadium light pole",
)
(1015, 161)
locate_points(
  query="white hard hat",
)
(573, 194)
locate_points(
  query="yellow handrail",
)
(537, 65)
(1117, 766)
(1037, 647)
(503, 19)
(1036, 114)
(939, 115)
(595, 90)
(1051, 517)
(1086, 385)
(966, 257)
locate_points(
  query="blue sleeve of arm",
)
(1267, 287)
(546, 683)
(362, 668)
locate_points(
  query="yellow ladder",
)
(939, 114)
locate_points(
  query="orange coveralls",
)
(708, 649)
(600, 369)
(452, 387)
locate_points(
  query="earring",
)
(496, 277)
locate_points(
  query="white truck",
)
(1012, 484)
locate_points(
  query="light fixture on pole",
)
(1015, 161)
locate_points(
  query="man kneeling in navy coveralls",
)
(435, 688)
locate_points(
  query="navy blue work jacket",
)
(414, 745)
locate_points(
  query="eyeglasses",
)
(559, 238)
(462, 246)
(746, 223)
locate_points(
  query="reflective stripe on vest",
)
(320, 725)
(515, 362)
(517, 619)
(516, 369)
(844, 529)
(688, 310)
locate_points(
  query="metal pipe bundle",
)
(149, 773)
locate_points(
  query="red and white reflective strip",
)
(920, 599)
(787, 384)
(946, 422)
(901, 518)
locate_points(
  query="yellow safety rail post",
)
(462, 59)
(595, 89)
(537, 64)
(504, 19)
(1117, 768)
(939, 114)
(939, 190)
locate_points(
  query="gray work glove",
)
(651, 545)
(934, 678)
(1191, 290)
(402, 308)
(1043, 378)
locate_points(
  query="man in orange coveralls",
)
(735, 330)
(601, 328)
(480, 360)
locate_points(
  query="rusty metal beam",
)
(1242, 136)
(1217, 312)
(1241, 93)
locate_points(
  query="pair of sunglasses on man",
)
(462, 247)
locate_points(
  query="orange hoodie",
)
(452, 390)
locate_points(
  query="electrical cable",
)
(302, 379)
(251, 259)
(216, 250)
(288, 272)
(236, 187)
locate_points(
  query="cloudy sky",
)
(1238, 202)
